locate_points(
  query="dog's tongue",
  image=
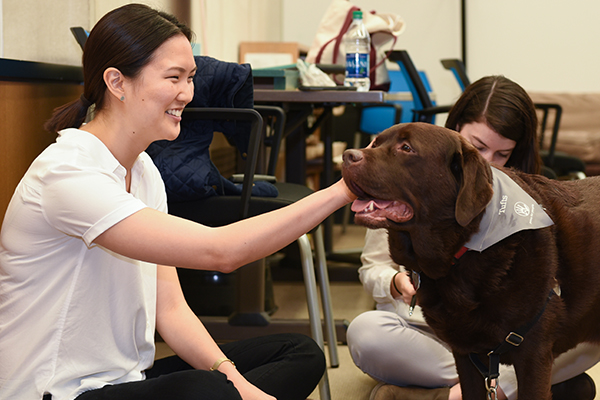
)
(359, 205)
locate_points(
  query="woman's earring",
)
(122, 98)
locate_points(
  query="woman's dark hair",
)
(126, 39)
(507, 109)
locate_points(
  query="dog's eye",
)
(406, 148)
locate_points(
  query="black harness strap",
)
(512, 340)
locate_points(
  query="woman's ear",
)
(114, 80)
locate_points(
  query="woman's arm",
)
(152, 236)
(187, 336)
(378, 269)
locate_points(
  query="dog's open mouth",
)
(374, 210)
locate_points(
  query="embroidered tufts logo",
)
(503, 204)
(522, 209)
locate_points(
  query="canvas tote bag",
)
(328, 46)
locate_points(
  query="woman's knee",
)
(309, 351)
(369, 332)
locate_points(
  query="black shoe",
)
(581, 387)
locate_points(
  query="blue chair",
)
(375, 118)
(424, 108)
(400, 88)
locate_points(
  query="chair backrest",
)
(399, 86)
(273, 132)
(421, 98)
(398, 108)
(374, 119)
(413, 79)
(545, 109)
(80, 34)
(458, 69)
(251, 156)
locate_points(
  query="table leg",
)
(295, 157)
(327, 175)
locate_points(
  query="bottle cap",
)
(357, 14)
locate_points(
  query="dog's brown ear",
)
(475, 179)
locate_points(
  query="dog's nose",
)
(352, 156)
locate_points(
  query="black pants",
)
(287, 366)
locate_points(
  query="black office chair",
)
(556, 164)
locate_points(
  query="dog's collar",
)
(511, 210)
(459, 254)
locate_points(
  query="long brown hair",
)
(124, 38)
(507, 109)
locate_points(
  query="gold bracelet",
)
(220, 361)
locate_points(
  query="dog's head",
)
(417, 174)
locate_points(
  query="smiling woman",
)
(87, 228)
(150, 103)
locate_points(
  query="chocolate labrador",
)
(508, 262)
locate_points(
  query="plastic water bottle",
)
(358, 46)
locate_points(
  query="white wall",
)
(545, 45)
(229, 22)
(39, 30)
(35, 30)
(100, 7)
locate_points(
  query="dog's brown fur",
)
(443, 186)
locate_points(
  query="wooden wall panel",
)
(24, 107)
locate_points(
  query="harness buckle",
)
(491, 386)
(514, 338)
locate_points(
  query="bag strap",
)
(338, 38)
(373, 52)
(373, 65)
(322, 49)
